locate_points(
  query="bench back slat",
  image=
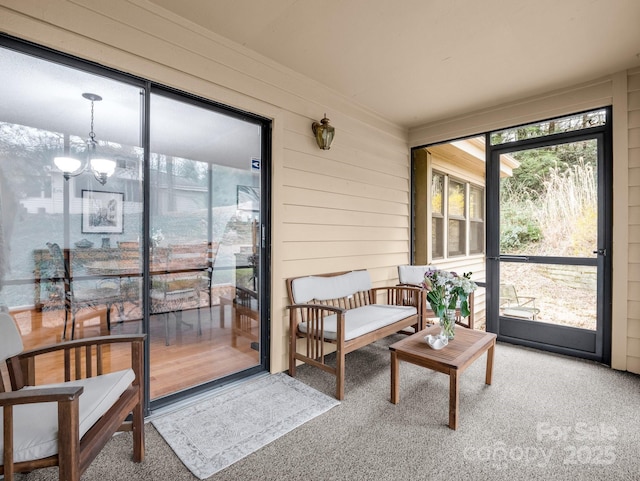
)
(346, 290)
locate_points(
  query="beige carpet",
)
(545, 417)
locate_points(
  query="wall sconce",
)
(102, 168)
(324, 133)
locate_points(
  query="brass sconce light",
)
(323, 132)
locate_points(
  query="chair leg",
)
(340, 375)
(138, 432)
(166, 328)
(73, 326)
(66, 321)
(68, 440)
(109, 318)
(178, 316)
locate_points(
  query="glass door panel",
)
(564, 295)
(204, 245)
(550, 266)
(63, 236)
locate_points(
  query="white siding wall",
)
(633, 323)
(340, 209)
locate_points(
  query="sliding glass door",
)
(127, 207)
(205, 223)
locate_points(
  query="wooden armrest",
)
(317, 307)
(243, 291)
(40, 395)
(406, 287)
(90, 341)
(82, 358)
(314, 309)
(399, 295)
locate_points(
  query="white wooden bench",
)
(344, 309)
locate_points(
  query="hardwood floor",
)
(190, 359)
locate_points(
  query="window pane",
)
(61, 237)
(437, 238)
(553, 213)
(456, 198)
(437, 194)
(476, 238)
(587, 120)
(557, 294)
(476, 203)
(456, 237)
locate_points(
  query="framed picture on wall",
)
(248, 198)
(102, 212)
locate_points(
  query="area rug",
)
(216, 432)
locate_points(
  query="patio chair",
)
(514, 305)
(67, 424)
(409, 275)
(178, 286)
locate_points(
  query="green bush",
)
(518, 230)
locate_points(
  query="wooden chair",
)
(67, 424)
(246, 316)
(409, 275)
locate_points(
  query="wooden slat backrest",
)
(357, 299)
(189, 256)
(80, 361)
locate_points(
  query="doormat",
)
(214, 433)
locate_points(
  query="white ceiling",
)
(417, 61)
(48, 96)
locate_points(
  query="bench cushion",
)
(306, 289)
(362, 320)
(36, 425)
(413, 275)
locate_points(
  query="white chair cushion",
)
(519, 312)
(362, 320)
(36, 425)
(10, 339)
(413, 275)
(305, 289)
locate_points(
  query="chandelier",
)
(101, 167)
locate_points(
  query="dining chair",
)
(77, 294)
(177, 286)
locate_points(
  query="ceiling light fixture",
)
(101, 167)
(323, 132)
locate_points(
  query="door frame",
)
(532, 333)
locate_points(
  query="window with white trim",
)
(457, 217)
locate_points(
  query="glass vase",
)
(448, 323)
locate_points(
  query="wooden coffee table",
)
(467, 346)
